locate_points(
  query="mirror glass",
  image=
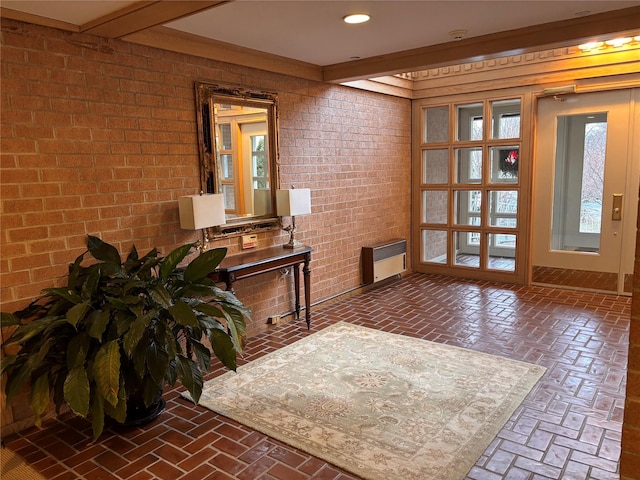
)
(238, 151)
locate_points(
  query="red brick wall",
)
(99, 137)
(630, 457)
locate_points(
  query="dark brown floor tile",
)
(227, 445)
(256, 469)
(201, 442)
(164, 470)
(283, 472)
(110, 461)
(257, 451)
(228, 464)
(134, 467)
(196, 459)
(286, 456)
(199, 473)
(570, 422)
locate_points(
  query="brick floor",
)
(568, 427)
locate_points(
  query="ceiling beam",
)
(146, 14)
(177, 41)
(522, 40)
(37, 20)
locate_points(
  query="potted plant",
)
(106, 343)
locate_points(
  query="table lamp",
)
(199, 212)
(290, 203)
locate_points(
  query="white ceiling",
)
(73, 12)
(313, 31)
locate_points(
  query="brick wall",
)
(630, 457)
(99, 137)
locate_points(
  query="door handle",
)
(616, 213)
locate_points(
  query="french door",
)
(470, 172)
(586, 190)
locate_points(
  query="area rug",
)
(376, 404)
(13, 467)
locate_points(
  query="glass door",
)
(585, 197)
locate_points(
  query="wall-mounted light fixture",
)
(290, 203)
(587, 47)
(612, 43)
(618, 42)
(199, 212)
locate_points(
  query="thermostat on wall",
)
(249, 241)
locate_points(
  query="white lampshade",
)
(201, 211)
(262, 201)
(296, 201)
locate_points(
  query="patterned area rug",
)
(377, 404)
(13, 467)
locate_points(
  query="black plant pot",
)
(139, 414)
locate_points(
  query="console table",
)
(255, 262)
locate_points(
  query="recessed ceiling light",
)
(356, 18)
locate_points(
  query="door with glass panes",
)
(467, 190)
(586, 184)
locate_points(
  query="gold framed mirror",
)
(238, 147)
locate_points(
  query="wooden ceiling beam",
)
(146, 14)
(177, 41)
(518, 41)
(37, 20)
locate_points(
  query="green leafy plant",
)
(122, 330)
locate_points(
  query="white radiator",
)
(384, 260)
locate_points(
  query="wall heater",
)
(383, 260)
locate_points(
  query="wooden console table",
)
(255, 262)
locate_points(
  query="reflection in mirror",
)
(237, 135)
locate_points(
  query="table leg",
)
(307, 290)
(229, 283)
(296, 282)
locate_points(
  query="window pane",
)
(434, 246)
(505, 162)
(436, 124)
(466, 249)
(595, 146)
(502, 252)
(505, 119)
(469, 118)
(503, 208)
(229, 197)
(227, 166)
(578, 182)
(467, 205)
(259, 162)
(435, 166)
(468, 165)
(225, 137)
(434, 206)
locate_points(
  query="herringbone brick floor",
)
(568, 427)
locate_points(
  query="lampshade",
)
(262, 201)
(296, 201)
(201, 211)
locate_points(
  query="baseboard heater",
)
(384, 260)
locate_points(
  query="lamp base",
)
(294, 244)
